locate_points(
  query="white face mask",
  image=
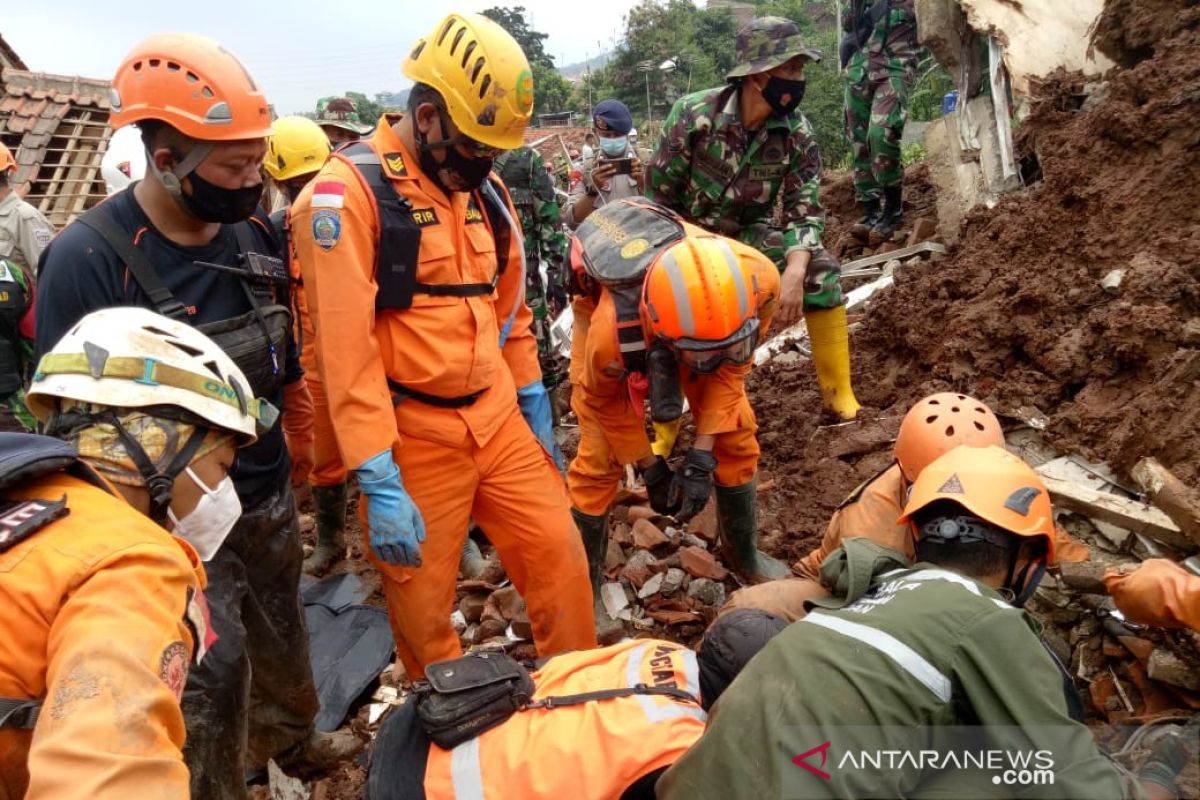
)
(210, 522)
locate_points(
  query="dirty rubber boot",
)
(830, 338)
(871, 211)
(471, 562)
(594, 530)
(330, 505)
(890, 216)
(737, 522)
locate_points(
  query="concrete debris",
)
(282, 786)
(708, 592)
(673, 581)
(613, 596)
(1169, 668)
(1111, 282)
(652, 586)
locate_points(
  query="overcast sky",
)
(299, 50)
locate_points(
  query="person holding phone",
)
(615, 172)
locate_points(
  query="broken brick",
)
(674, 617)
(522, 628)
(622, 535)
(491, 610)
(647, 535)
(923, 230)
(471, 607)
(1138, 646)
(510, 602)
(640, 512)
(636, 575)
(701, 564)
(614, 558)
(489, 629)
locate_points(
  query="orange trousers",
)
(328, 469)
(594, 476)
(514, 491)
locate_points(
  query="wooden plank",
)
(1128, 514)
(1177, 500)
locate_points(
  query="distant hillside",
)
(395, 100)
(579, 68)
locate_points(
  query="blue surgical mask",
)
(614, 147)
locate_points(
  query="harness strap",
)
(610, 694)
(401, 392)
(19, 714)
(138, 265)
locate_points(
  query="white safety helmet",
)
(134, 358)
(124, 160)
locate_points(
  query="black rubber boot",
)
(594, 530)
(737, 521)
(330, 505)
(892, 213)
(871, 210)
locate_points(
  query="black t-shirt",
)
(81, 273)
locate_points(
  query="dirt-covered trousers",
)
(252, 695)
(876, 109)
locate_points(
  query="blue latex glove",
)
(535, 407)
(396, 527)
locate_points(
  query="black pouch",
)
(463, 697)
(243, 339)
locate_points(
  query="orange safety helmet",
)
(7, 162)
(993, 485)
(939, 423)
(192, 84)
(698, 299)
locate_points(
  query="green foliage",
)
(367, 109)
(912, 153)
(551, 91)
(925, 99)
(531, 41)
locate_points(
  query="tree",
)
(368, 110)
(531, 41)
(551, 91)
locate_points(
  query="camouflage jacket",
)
(532, 191)
(720, 176)
(892, 48)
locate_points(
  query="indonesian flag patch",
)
(329, 194)
(199, 620)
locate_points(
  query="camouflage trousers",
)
(15, 416)
(553, 371)
(823, 282)
(876, 110)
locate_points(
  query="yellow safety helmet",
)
(481, 73)
(297, 146)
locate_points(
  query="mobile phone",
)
(624, 166)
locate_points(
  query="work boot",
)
(594, 530)
(890, 216)
(871, 211)
(737, 522)
(330, 505)
(474, 567)
(830, 339)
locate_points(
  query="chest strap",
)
(398, 250)
(611, 694)
(19, 714)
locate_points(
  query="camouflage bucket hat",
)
(341, 112)
(767, 42)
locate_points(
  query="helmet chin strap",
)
(1025, 583)
(173, 181)
(158, 482)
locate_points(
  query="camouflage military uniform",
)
(16, 296)
(532, 191)
(720, 176)
(879, 77)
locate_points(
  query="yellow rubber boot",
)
(831, 357)
(665, 434)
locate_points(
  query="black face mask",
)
(212, 203)
(472, 171)
(783, 95)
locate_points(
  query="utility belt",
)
(255, 340)
(465, 697)
(400, 392)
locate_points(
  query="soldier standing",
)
(879, 54)
(729, 153)
(524, 173)
(24, 231)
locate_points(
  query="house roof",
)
(57, 128)
(9, 57)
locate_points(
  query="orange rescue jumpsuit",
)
(591, 751)
(611, 430)
(1159, 592)
(479, 460)
(93, 610)
(871, 510)
(328, 469)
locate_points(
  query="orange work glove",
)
(1159, 592)
(298, 429)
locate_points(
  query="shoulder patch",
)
(173, 667)
(326, 228)
(328, 194)
(42, 236)
(424, 216)
(199, 620)
(6, 275)
(395, 163)
(20, 519)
